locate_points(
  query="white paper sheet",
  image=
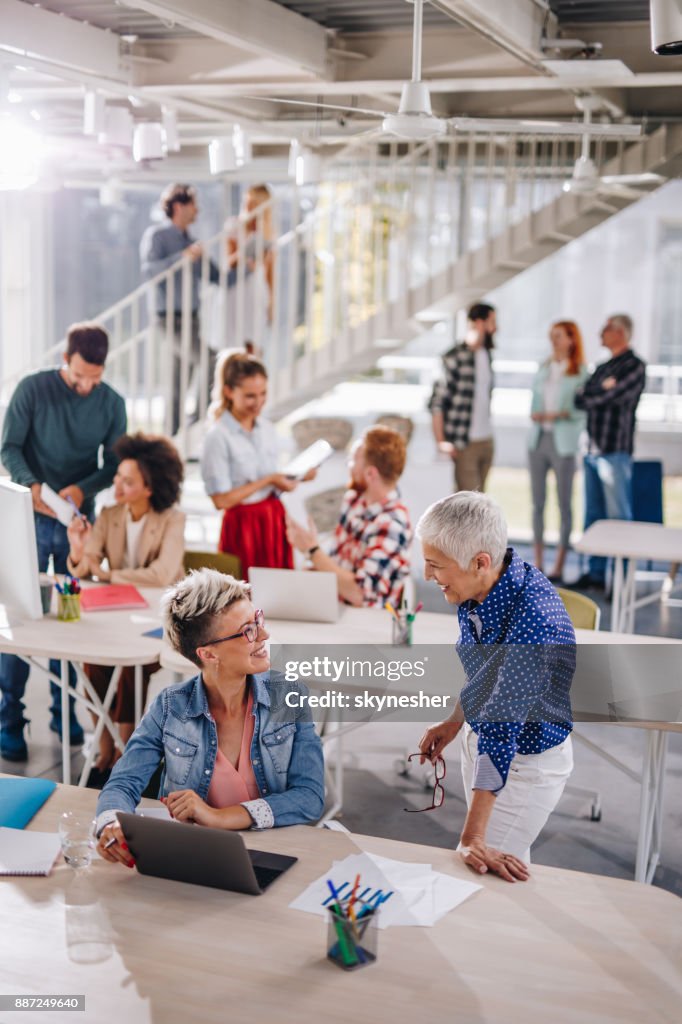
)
(418, 896)
(61, 508)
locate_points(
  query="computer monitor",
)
(19, 581)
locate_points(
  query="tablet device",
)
(202, 856)
(311, 458)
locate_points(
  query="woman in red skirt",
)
(239, 466)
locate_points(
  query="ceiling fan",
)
(586, 179)
(415, 120)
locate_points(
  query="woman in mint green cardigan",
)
(555, 433)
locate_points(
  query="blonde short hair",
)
(189, 607)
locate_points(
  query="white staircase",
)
(396, 232)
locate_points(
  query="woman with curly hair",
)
(141, 538)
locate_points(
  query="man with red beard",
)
(370, 551)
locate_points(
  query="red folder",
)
(112, 597)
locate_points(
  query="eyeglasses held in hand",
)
(438, 798)
(250, 631)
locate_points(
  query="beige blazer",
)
(160, 551)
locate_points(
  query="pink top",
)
(230, 785)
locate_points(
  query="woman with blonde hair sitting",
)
(139, 540)
(236, 755)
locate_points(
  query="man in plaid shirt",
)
(460, 403)
(370, 551)
(610, 397)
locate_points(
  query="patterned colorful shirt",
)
(372, 542)
(517, 691)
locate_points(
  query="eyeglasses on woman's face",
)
(249, 631)
(438, 798)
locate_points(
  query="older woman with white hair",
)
(514, 709)
(235, 755)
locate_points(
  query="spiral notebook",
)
(27, 853)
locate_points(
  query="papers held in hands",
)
(60, 506)
(311, 458)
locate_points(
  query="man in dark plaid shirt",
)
(370, 551)
(460, 403)
(610, 398)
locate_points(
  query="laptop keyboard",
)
(264, 876)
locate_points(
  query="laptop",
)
(201, 856)
(298, 595)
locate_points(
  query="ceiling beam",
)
(232, 112)
(514, 25)
(258, 26)
(371, 87)
(59, 41)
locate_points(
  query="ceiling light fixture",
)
(230, 153)
(305, 165)
(94, 113)
(20, 152)
(169, 120)
(148, 141)
(118, 128)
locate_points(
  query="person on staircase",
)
(161, 246)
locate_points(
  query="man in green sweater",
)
(59, 428)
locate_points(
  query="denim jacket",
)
(286, 754)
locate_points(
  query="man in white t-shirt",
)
(460, 403)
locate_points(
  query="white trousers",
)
(532, 791)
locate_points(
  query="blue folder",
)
(20, 799)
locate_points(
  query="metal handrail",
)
(348, 272)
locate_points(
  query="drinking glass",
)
(77, 836)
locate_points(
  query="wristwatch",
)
(312, 550)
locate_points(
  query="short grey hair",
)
(189, 607)
(464, 524)
(623, 321)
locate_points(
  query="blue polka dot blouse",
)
(518, 652)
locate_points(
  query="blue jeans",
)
(608, 495)
(51, 540)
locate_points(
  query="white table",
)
(372, 626)
(629, 541)
(565, 947)
(100, 638)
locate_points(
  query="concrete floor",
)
(375, 794)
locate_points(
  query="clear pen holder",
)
(68, 607)
(352, 944)
(401, 630)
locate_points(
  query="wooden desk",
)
(629, 541)
(100, 638)
(565, 947)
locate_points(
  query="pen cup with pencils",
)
(352, 939)
(401, 629)
(68, 600)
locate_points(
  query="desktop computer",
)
(19, 582)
